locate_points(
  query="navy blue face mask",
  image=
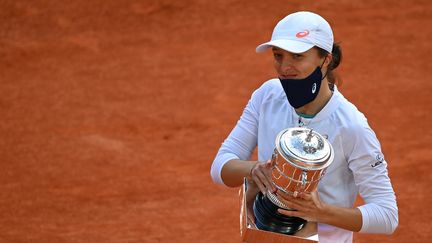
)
(303, 91)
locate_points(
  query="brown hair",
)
(332, 76)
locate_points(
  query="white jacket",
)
(358, 167)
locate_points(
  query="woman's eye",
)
(277, 56)
(297, 56)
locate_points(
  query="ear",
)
(328, 60)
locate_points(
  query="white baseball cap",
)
(299, 32)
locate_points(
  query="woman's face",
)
(290, 65)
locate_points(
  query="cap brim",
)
(287, 45)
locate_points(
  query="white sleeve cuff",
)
(378, 219)
(218, 164)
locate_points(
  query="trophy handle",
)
(303, 179)
(274, 158)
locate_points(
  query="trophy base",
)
(251, 234)
(268, 218)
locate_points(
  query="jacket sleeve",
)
(242, 140)
(380, 211)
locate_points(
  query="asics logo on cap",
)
(302, 34)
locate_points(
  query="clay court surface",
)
(112, 111)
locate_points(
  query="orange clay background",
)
(112, 111)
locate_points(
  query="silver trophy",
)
(300, 159)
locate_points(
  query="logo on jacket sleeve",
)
(379, 160)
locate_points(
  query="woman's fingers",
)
(306, 196)
(297, 205)
(261, 174)
(292, 213)
(260, 185)
(268, 171)
(312, 198)
(269, 164)
(307, 206)
(265, 180)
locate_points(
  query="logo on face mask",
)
(313, 88)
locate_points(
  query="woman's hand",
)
(260, 174)
(308, 206)
(311, 208)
